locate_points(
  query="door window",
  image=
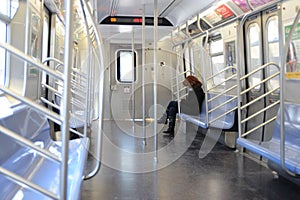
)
(272, 50)
(255, 60)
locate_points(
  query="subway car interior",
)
(149, 99)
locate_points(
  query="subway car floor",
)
(129, 170)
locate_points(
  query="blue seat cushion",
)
(226, 122)
(271, 149)
(28, 164)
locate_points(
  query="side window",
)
(217, 60)
(187, 63)
(126, 66)
(192, 59)
(2, 52)
(8, 10)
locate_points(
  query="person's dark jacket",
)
(193, 102)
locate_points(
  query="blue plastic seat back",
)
(25, 122)
(227, 121)
(291, 124)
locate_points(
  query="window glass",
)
(9, 8)
(4, 8)
(126, 66)
(273, 50)
(216, 47)
(2, 52)
(255, 55)
(192, 60)
(187, 59)
(45, 44)
(218, 65)
(217, 60)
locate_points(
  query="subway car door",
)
(262, 46)
(271, 49)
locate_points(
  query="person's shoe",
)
(163, 119)
(169, 131)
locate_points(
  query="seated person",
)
(291, 59)
(191, 105)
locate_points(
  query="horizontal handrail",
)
(220, 72)
(77, 132)
(57, 107)
(261, 111)
(257, 127)
(52, 89)
(79, 81)
(18, 179)
(79, 73)
(260, 68)
(22, 141)
(51, 115)
(182, 96)
(222, 115)
(182, 89)
(49, 103)
(73, 85)
(224, 81)
(78, 93)
(182, 73)
(222, 104)
(79, 90)
(263, 81)
(74, 101)
(29, 59)
(221, 93)
(259, 98)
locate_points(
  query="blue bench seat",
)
(228, 121)
(28, 164)
(271, 149)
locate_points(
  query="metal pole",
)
(143, 73)
(205, 79)
(26, 49)
(283, 95)
(133, 81)
(101, 92)
(65, 115)
(155, 79)
(87, 112)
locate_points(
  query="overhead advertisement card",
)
(219, 15)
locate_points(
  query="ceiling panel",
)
(186, 9)
(176, 11)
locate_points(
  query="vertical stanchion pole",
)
(155, 79)
(65, 115)
(133, 81)
(143, 73)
